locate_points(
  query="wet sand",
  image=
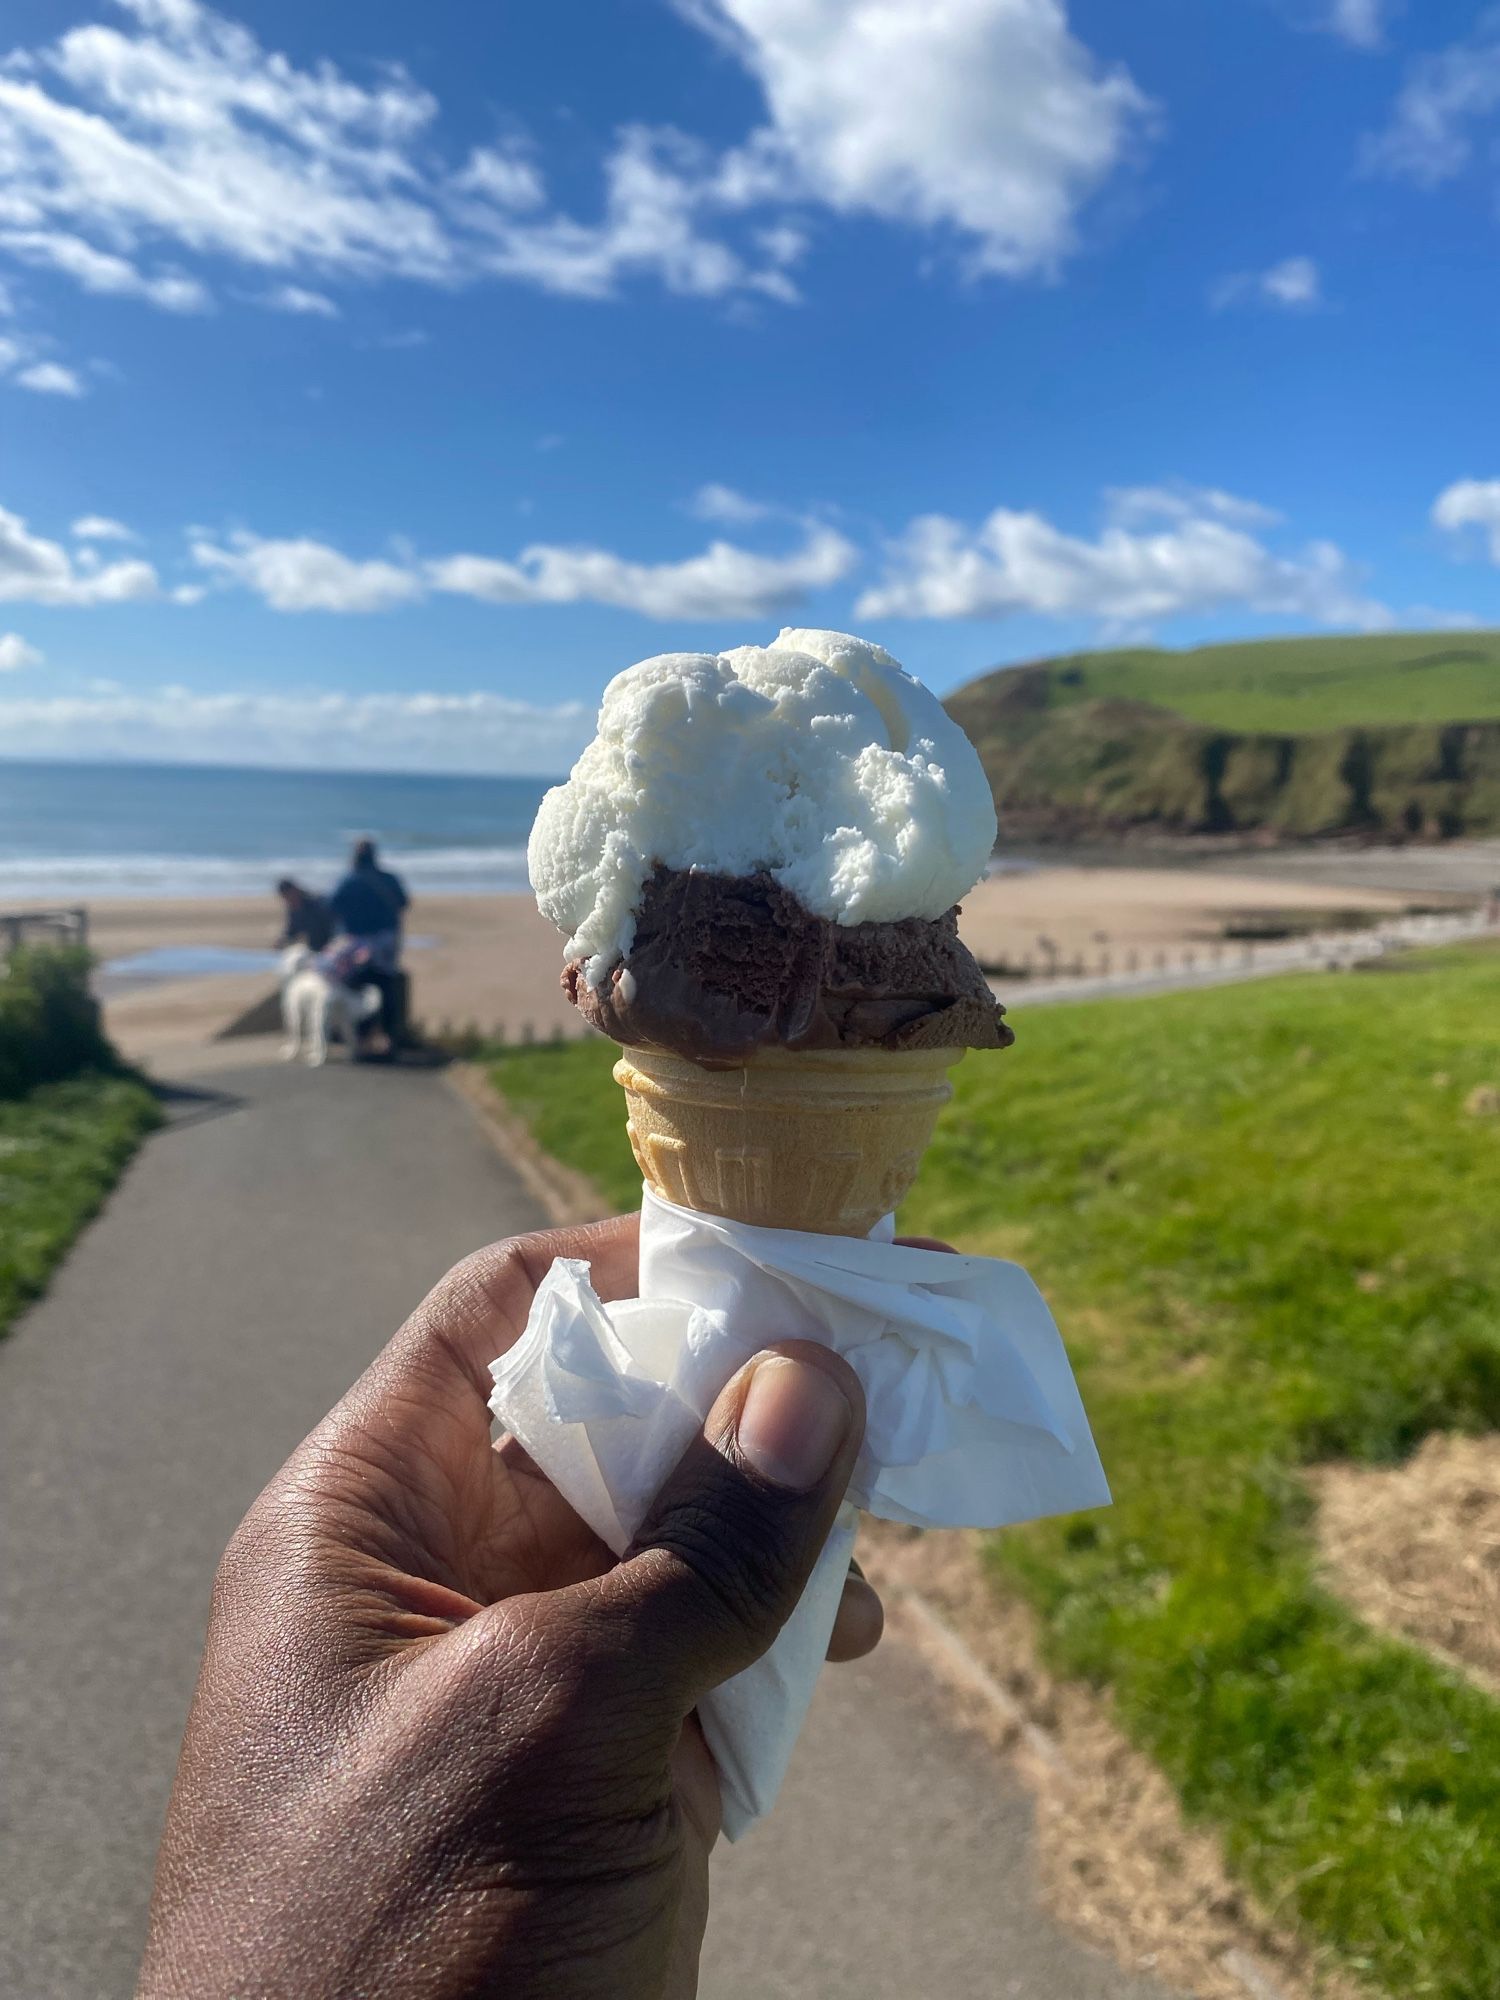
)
(493, 961)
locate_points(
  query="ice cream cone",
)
(827, 1140)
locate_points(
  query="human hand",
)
(443, 1743)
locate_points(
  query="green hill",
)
(1392, 736)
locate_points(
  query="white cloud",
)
(50, 378)
(478, 731)
(35, 571)
(101, 271)
(304, 575)
(1199, 562)
(178, 135)
(297, 299)
(1295, 285)
(1129, 506)
(1471, 503)
(714, 502)
(189, 132)
(15, 653)
(986, 118)
(101, 528)
(507, 178)
(1430, 138)
(659, 189)
(722, 582)
(1358, 22)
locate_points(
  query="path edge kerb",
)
(568, 1196)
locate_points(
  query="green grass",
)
(1268, 1228)
(61, 1150)
(1304, 685)
(567, 1095)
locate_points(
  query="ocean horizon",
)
(89, 831)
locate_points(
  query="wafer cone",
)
(827, 1140)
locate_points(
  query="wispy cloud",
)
(714, 502)
(1439, 117)
(1293, 285)
(297, 299)
(723, 581)
(101, 528)
(34, 570)
(305, 575)
(23, 368)
(178, 136)
(101, 270)
(1361, 23)
(15, 653)
(1471, 504)
(51, 378)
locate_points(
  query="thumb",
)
(730, 1541)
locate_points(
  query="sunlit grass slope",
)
(1266, 1217)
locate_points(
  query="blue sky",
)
(375, 384)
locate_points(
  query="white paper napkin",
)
(974, 1419)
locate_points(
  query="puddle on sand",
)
(202, 961)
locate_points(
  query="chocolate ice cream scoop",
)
(723, 965)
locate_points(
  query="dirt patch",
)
(1415, 1548)
(1116, 1858)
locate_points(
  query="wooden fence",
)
(18, 927)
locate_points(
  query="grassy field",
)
(1303, 685)
(1266, 1220)
(61, 1150)
(1393, 736)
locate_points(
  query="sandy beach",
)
(493, 961)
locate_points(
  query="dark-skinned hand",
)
(443, 1742)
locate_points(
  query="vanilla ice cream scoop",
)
(818, 761)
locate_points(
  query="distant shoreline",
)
(494, 962)
(1440, 868)
(320, 773)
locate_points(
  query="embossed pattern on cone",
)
(827, 1140)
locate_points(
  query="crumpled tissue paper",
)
(974, 1419)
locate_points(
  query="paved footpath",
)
(256, 1255)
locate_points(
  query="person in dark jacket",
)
(370, 900)
(368, 905)
(308, 921)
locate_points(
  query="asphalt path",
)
(256, 1255)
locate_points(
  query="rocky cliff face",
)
(1103, 767)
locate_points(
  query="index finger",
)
(479, 1310)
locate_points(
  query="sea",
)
(80, 832)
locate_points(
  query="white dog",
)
(313, 1006)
